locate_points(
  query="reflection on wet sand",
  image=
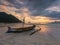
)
(44, 28)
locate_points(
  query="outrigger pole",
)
(23, 21)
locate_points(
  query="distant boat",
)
(20, 29)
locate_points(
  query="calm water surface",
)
(48, 35)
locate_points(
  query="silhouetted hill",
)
(8, 18)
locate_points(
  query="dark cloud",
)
(15, 3)
(39, 6)
(32, 4)
(54, 14)
(18, 3)
(36, 7)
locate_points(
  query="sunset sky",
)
(34, 11)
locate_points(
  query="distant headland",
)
(8, 18)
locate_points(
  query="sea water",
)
(48, 35)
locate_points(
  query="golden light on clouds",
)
(41, 19)
(3, 8)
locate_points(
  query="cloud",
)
(37, 6)
(32, 8)
(53, 14)
(18, 3)
(50, 8)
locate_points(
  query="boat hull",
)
(19, 30)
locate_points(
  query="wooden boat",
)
(21, 29)
(18, 30)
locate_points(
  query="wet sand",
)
(39, 38)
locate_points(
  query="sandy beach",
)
(49, 35)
